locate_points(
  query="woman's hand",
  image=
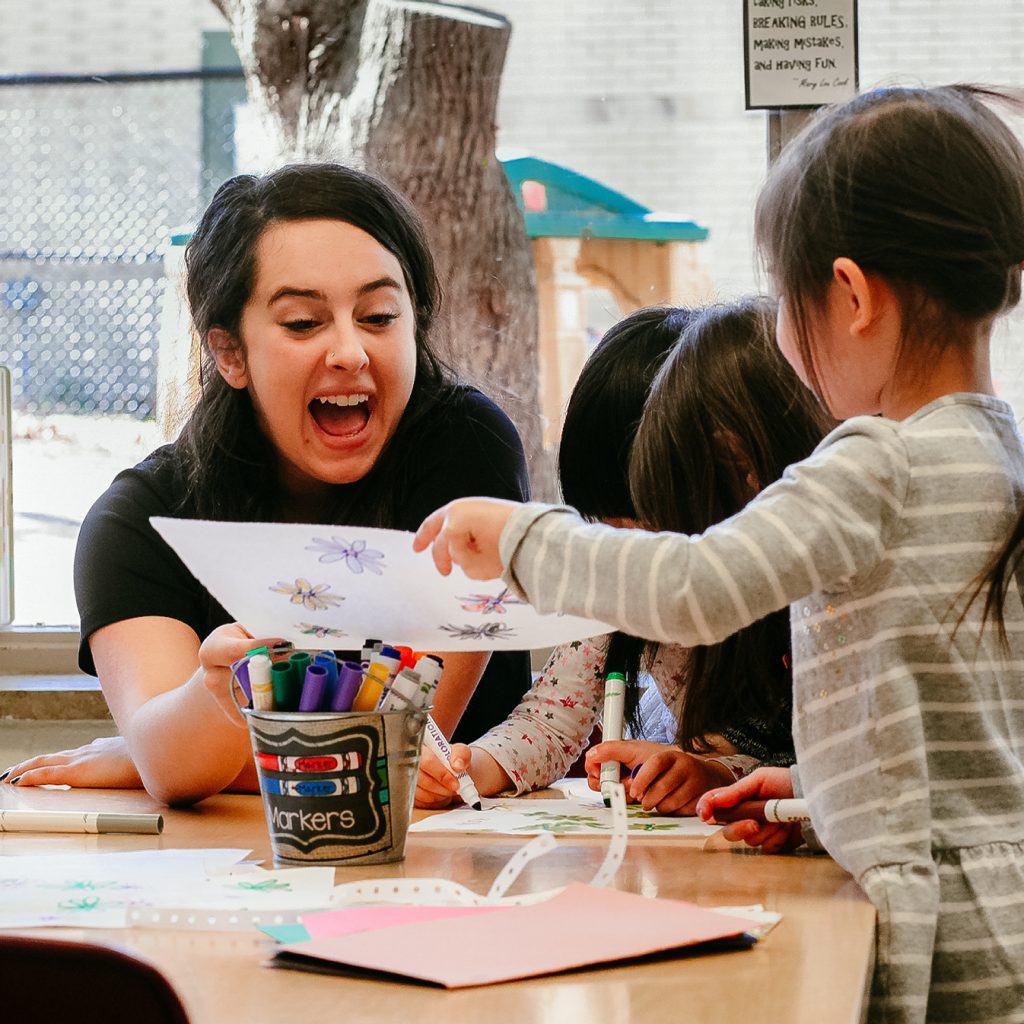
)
(217, 653)
(436, 786)
(762, 784)
(667, 780)
(102, 764)
(465, 533)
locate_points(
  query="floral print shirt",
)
(545, 734)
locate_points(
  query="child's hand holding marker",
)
(465, 533)
(662, 779)
(762, 784)
(435, 740)
(437, 784)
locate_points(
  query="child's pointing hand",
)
(465, 533)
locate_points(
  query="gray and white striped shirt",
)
(909, 728)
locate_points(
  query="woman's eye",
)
(299, 326)
(378, 319)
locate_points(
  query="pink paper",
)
(364, 919)
(581, 926)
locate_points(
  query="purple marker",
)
(241, 670)
(350, 678)
(313, 687)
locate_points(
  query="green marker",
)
(611, 729)
(286, 685)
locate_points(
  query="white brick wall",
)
(102, 35)
(644, 95)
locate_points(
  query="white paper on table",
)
(571, 816)
(332, 586)
(96, 890)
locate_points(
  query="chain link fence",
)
(97, 174)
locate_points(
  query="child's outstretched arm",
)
(764, 783)
(667, 780)
(465, 533)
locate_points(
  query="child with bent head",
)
(893, 230)
(728, 703)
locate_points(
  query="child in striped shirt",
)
(893, 231)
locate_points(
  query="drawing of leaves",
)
(322, 632)
(85, 903)
(356, 555)
(486, 603)
(92, 885)
(488, 631)
(313, 598)
(270, 885)
(561, 822)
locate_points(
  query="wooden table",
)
(814, 966)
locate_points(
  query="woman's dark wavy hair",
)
(725, 417)
(225, 453)
(925, 188)
(600, 422)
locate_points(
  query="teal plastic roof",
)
(560, 203)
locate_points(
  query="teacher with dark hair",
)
(313, 293)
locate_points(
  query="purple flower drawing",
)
(356, 555)
(321, 632)
(486, 604)
(313, 598)
(488, 631)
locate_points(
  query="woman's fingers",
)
(102, 764)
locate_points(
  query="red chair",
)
(44, 981)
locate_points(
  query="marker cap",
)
(313, 688)
(350, 678)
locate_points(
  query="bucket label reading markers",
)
(328, 783)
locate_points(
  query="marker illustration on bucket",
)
(337, 787)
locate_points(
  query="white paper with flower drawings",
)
(332, 586)
(98, 890)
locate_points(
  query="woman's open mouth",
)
(341, 415)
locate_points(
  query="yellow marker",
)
(372, 689)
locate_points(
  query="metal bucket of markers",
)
(337, 786)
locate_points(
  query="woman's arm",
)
(459, 679)
(169, 695)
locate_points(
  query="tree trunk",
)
(409, 91)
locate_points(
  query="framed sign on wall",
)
(799, 53)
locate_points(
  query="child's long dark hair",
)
(600, 423)
(224, 451)
(725, 417)
(924, 188)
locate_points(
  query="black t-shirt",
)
(125, 570)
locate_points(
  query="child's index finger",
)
(429, 529)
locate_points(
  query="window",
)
(644, 98)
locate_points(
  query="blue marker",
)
(330, 663)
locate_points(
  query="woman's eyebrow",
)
(288, 292)
(380, 282)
